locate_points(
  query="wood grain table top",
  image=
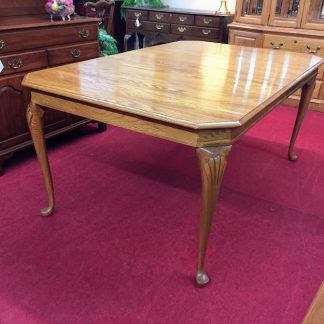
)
(199, 85)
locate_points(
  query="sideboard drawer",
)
(134, 14)
(160, 16)
(182, 19)
(155, 26)
(208, 21)
(72, 53)
(21, 62)
(199, 32)
(20, 40)
(281, 42)
(181, 30)
(206, 32)
(312, 46)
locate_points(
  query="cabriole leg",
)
(306, 95)
(35, 123)
(213, 161)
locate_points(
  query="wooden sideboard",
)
(31, 42)
(156, 26)
(286, 25)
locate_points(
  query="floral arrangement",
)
(60, 8)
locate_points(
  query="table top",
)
(194, 84)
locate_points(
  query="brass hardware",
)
(15, 64)
(207, 21)
(137, 23)
(182, 29)
(276, 46)
(159, 27)
(159, 16)
(75, 53)
(313, 50)
(137, 14)
(182, 18)
(2, 44)
(206, 31)
(84, 33)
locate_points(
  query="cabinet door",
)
(313, 17)
(13, 125)
(13, 103)
(252, 11)
(286, 13)
(245, 38)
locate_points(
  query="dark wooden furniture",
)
(156, 26)
(31, 42)
(104, 10)
(115, 25)
(200, 94)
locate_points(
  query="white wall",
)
(200, 4)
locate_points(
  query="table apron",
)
(168, 131)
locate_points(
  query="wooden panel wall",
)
(21, 7)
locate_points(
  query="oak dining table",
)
(204, 95)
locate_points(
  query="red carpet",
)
(122, 245)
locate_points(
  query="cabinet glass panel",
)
(287, 8)
(316, 11)
(252, 7)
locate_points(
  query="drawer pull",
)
(183, 18)
(137, 14)
(313, 50)
(15, 64)
(75, 53)
(206, 31)
(159, 27)
(84, 33)
(276, 46)
(182, 29)
(159, 16)
(2, 44)
(137, 23)
(207, 21)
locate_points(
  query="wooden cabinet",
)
(154, 26)
(293, 25)
(32, 42)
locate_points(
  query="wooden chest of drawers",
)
(155, 26)
(29, 43)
